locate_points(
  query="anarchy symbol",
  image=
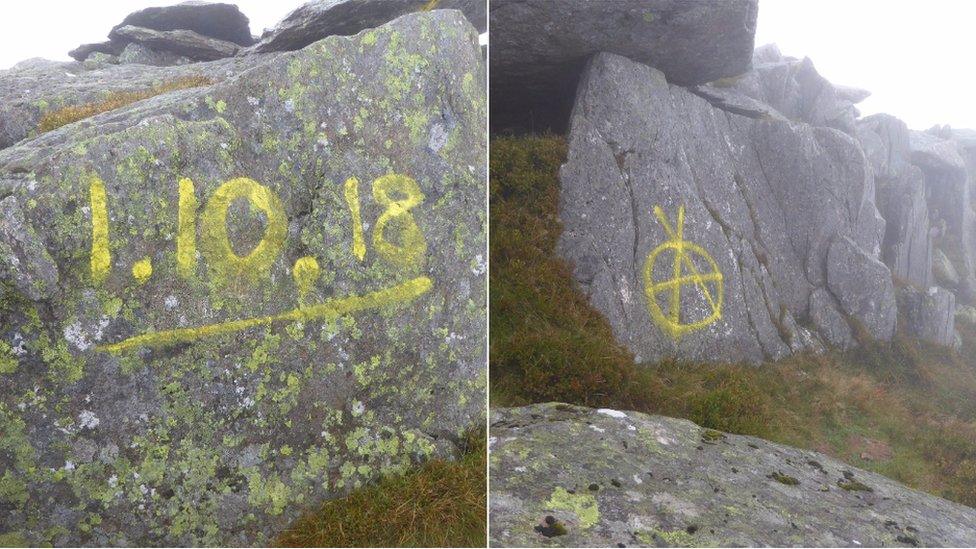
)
(684, 273)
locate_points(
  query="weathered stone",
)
(216, 20)
(950, 212)
(828, 320)
(99, 60)
(33, 90)
(930, 314)
(966, 314)
(138, 54)
(862, 286)
(83, 51)
(943, 270)
(180, 42)
(612, 479)
(851, 93)
(271, 291)
(539, 48)
(885, 141)
(762, 199)
(907, 246)
(320, 18)
(23, 260)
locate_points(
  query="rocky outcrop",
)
(211, 19)
(181, 42)
(224, 304)
(320, 18)
(930, 314)
(537, 59)
(576, 477)
(702, 233)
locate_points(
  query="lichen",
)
(583, 505)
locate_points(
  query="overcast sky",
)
(915, 56)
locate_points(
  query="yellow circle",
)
(142, 270)
(671, 322)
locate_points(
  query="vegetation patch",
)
(784, 479)
(548, 344)
(115, 100)
(440, 504)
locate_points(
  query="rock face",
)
(215, 20)
(33, 90)
(542, 46)
(180, 42)
(221, 305)
(703, 234)
(577, 477)
(930, 314)
(320, 18)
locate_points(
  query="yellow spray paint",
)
(186, 232)
(142, 270)
(305, 272)
(413, 245)
(329, 310)
(101, 259)
(684, 253)
(352, 199)
(224, 264)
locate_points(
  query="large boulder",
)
(539, 48)
(180, 42)
(320, 18)
(863, 286)
(701, 233)
(907, 246)
(564, 476)
(213, 19)
(268, 291)
(929, 314)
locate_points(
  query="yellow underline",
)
(401, 293)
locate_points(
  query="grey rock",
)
(943, 270)
(828, 320)
(185, 43)
(320, 18)
(767, 53)
(950, 212)
(614, 478)
(731, 100)
(258, 384)
(929, 313)
(862, 286)
(762, 198)
(213, 19)
(966, 314)
(851, 93)
(23, 260)
(539, 48)
(83, 51)
(907, 247)
(886, 143)
(99, 60)
(135, 53)
(31, 91)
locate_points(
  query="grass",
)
(441, 504)
(548, 344)
(115, 100)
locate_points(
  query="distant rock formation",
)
(564, 476)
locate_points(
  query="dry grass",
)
(547, 344)
(441, 504)
(115, 100)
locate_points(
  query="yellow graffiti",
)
(186, 232)
(305, 272)
(101, 259)
(329, 310)
(684, 252)
(352, 199)
(224, 263)
(142, 270)
(413, 243)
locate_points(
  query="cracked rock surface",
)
(770, 201)
(566, 476)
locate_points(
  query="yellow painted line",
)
(400, 293)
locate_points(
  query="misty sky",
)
(915, 56)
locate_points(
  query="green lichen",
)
(583, 505)
(783, 478)
(854, 486)
(670, 538)
(8, 362)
